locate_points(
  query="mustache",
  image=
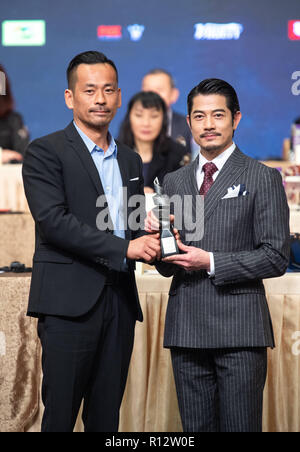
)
(106, 110)
(210, 133)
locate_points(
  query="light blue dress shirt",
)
(109, 172)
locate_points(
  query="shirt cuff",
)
(211, 273)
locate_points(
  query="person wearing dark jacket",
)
(162, 82)
(83, 287)
(14, 136)
(144, 129)
(218, 325)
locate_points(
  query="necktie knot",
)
(209, 169)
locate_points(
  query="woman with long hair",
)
(14, 136)
(144, 129)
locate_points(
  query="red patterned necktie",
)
(209, 169)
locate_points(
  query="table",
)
(12, 194)
(16, 238)
(150, 402)
(20, 370)
(282, 392)
(295, 221)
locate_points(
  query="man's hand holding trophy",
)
(173, 251)
(159, 219)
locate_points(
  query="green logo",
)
(23, 33)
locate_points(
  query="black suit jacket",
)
(180, 129)
(249, 238)
(171, 157)
(72, 257)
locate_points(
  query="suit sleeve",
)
(271, 238)
(44, 188)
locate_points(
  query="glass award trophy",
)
(167, 240)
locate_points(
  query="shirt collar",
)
(220, 160)
(112, 148)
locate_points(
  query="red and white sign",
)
(294, 30)
(109, 32)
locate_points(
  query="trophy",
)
(167, 239)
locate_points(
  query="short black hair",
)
(215, 86)
(156, 71)
(88, 57)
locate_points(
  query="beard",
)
(211, 148)
(214, 148)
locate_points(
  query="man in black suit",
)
(83, 287)
(161, 82)
(218, 324)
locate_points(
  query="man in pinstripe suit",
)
(218, 325)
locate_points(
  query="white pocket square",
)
(235, 191)
(135, 178)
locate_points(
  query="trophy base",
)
(168, 244)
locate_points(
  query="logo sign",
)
(294, 30)
(23, 33)
(136, 32)
(109, 32)
(211, 31)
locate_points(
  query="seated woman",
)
(14, 136)
(144, 129)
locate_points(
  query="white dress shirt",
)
(219, 161)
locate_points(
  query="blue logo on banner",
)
(136, 32)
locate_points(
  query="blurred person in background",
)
(144, 129)
(161, 82)
(287, 145)
(14, 136)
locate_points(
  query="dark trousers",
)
(220, 390)
(87, 358)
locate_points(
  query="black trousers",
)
(220, 390)
(87, 358)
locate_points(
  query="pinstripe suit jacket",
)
(249, 237)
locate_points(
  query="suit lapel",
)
(233, 168)
(189, 182)
(85, 156)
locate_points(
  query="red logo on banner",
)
(294, 30)
(109, 32)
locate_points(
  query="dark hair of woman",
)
(6, 101)
(148, 99)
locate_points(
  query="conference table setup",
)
(150, 401)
